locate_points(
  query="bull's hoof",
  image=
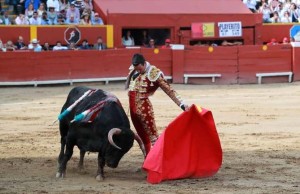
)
(60, 175)
(99, 178)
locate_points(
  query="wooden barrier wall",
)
(237, 65)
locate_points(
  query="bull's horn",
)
(140, 142)
(111, 133)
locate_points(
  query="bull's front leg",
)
(68, 154)
(62, 151)
(101, 164)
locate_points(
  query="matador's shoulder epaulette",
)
(154, 73)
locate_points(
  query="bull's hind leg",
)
(80, 164)
(101, 164)
(63, 165)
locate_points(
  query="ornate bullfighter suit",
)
(141, 86)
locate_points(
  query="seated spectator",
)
(97, 20)
(1, 46)
(63, 6)
(60, 20)
(273, 42)
(10, 46)
(251, 4)
(72, 46)
(85, 19)
(72, 20)
(167, 44)
(34, 45)
(86, 4)
(145, 38)
(46, 47)
(59, 47)
(99, 45)
(84, 45)
(5, 19)
(53, 3)
(266, 12)
(275, 18)
(44, 19)
(35, 4)
(286, 18)
(52, 16)
(41, 9)
(285, 40)
(73, 11)
(35, 20)
(20, 44)
(21, 19)
(151, 43)
(29, 11)
(128, 40)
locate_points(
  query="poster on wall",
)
(230, 29)
(203, 30)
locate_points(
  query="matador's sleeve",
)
(156, 75)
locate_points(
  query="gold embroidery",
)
(154, 74)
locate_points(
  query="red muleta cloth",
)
(188, 148)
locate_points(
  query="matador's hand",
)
(185, 107)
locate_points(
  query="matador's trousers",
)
(142, 116)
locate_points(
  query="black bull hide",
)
(94, 136)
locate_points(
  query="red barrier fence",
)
(229, 65)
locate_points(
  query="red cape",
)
(188, 148)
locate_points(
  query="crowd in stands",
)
(34, 45)
(276, 11)
(52, 12)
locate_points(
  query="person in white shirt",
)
(21, 20)
(59, 47)
(35, 20)
(34, 45)
(128, 40)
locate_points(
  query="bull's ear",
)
(111, 133)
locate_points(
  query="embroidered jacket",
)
(146, 84)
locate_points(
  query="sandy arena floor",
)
(258, 125)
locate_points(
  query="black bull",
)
(109, 133)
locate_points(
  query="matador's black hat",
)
(138, 59)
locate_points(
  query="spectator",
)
(59, 47)
(285, 40)
(73, 11)
(6, 19)
(53, 3)
(273, 4)
(85, 19)
(251, 4)
(280, 10)
(286, 17)
(72, 20)
(63, 6)
(275, 18)
(273, 42)
(145, 38)
(10, 46)
(46, 47)
(97, 20)
(52, 16)
(266, 11)
(60, 20)
(29, 11)
(34, 45)
(167, 44)
(41, 10)
(2, 48)
(20, 44)
(151, 43)
(35, 20)
(72, 46)
(86, 4)
(85, 45)
(294, 13)
(44, 19)
(21, 19)
(35, 4)
(99, 45)
(128, 40)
